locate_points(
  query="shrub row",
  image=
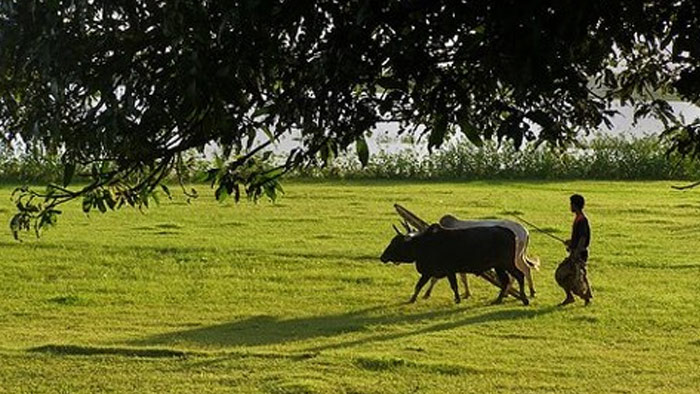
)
(603, 157)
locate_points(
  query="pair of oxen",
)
(455, 246)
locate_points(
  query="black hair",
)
(578, 201)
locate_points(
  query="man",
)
(577, 247)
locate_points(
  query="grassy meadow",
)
(291, 297)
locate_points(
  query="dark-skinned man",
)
(577, 246)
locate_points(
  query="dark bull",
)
(440, 252)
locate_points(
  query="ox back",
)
(441, 251)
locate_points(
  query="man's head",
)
(577, 202)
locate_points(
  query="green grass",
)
(291, 297)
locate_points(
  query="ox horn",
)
(396, 229)
(405, 225)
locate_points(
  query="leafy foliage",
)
(127, 87)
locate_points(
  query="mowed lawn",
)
(291, 297)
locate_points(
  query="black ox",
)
(440, 252)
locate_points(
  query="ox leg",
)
(453, 284)
(520, 277)
(421, 282)
(463, 276)
(505, 283)
(530, 284)
(430, 288)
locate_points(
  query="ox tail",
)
(533, 262)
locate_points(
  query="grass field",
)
(291, 297)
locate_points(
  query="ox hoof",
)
(526, 302)
(497, 301)
(466, 295)
(412, 300)
(532, 293)
(457, 300)
(426, 296)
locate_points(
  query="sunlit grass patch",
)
(291, 296)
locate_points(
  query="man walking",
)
(577, 247)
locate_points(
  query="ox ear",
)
(434, 228)
(396, 229)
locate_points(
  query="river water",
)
(386, 137)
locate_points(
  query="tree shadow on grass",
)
(269, 330)
(178, 251)
(494, 316)
(76, 350)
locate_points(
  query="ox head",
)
(401, 249)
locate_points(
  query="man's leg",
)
(569, 298)
(588, 294)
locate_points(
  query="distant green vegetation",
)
(39, 166)
(291, 297)
(603, 157)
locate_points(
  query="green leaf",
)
(326, 153)
(237, 192)
(109, 199)
(156, 197)
(268, 133)
(221, 193)
(166, 190)
(471, 133)
(15, 225)
(87, 203)
(101, 205)
(362, 150)
(270, 191)
(263, 111)
(143, 197)
(390, 83)
(437, 134)
(68, 171)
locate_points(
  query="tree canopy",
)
(123, 89)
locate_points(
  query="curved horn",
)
(396, 229)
